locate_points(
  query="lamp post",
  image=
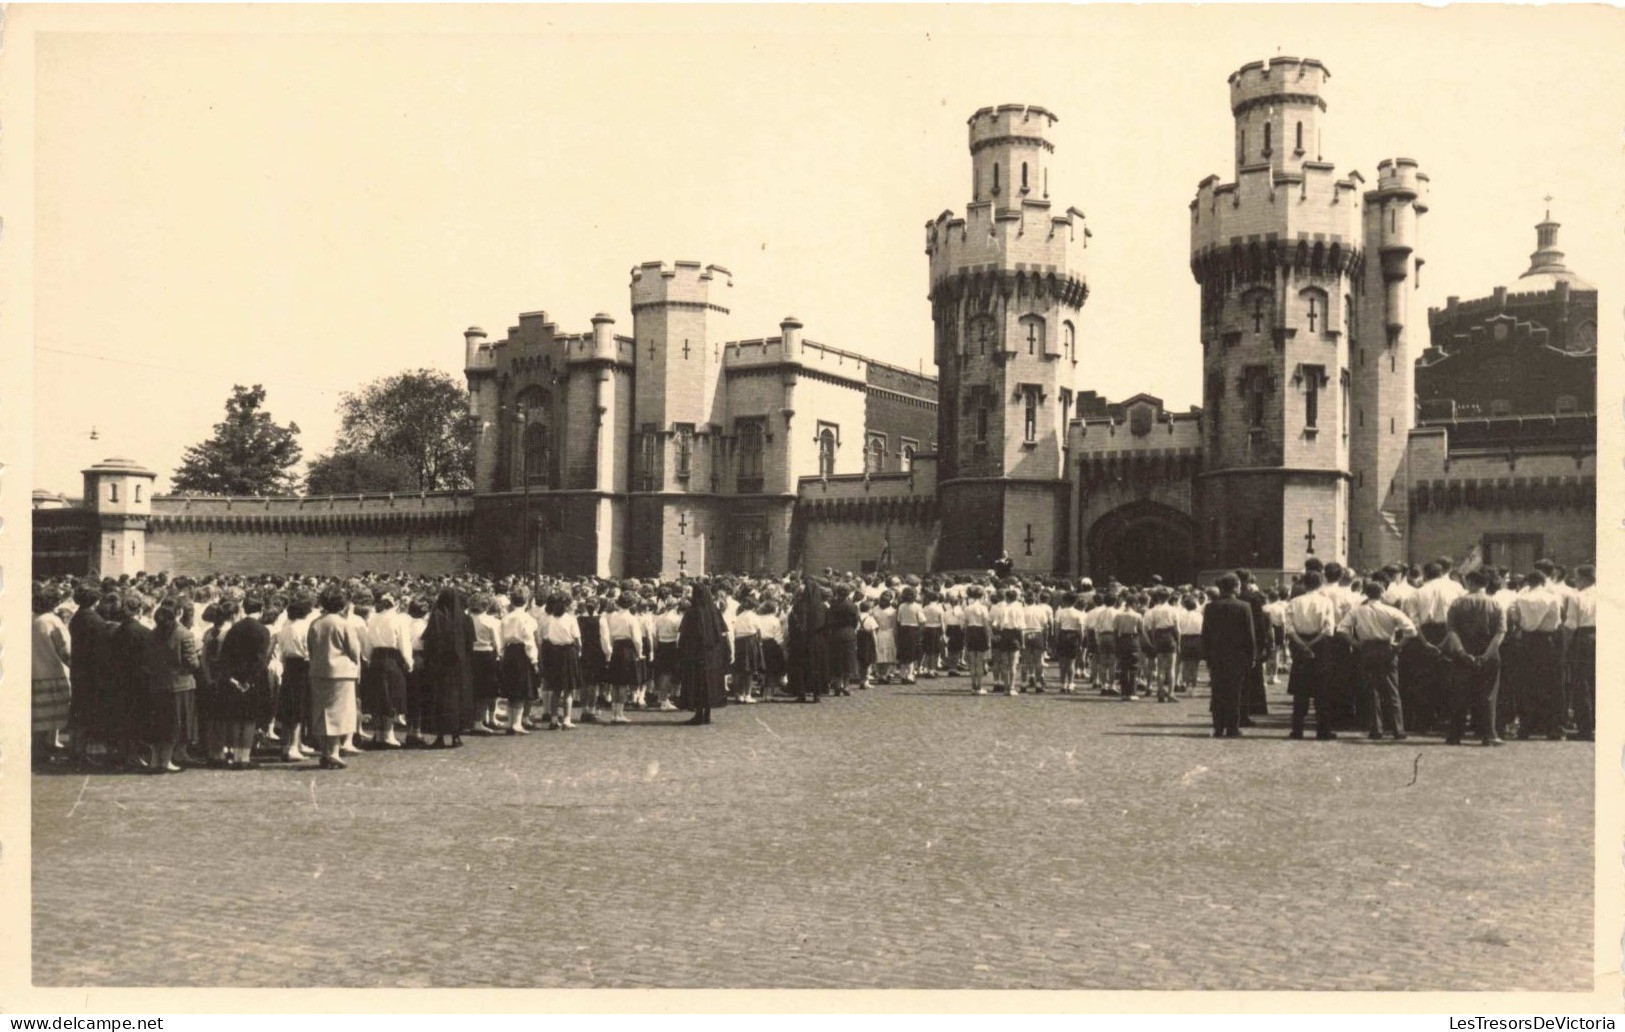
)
(520, 417)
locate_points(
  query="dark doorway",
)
(1134, 541)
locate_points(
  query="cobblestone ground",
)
(905, 837)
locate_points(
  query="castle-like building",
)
(675, 450)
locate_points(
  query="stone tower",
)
(119, 492)
(1382, 365)
(675, 514)
(1007, 289)
(1301, 380)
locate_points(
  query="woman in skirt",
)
(336, 650)
(486, 669)
(51, 663)
(885, 614)
(976, 620)
(620, 631)
(243, 688)
(1068, 639)
(519, 658)
(909, 616)
(560, 634)
(293, 701)
(747, 663)
(771, 630)
(172, 668)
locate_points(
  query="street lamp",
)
(521, 417)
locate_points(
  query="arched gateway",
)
(1134, 541)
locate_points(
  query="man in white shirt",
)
(1162, 627)
(1535, 677)
(1377, 629)
(1036, 619)
(1101, 622)
(1311, 619)
(1582, 621)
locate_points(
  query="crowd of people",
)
(157, 674)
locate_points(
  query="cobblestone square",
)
(908, 837)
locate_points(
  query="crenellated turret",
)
(1007, 288)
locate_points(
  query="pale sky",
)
(312, 208)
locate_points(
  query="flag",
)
(1472, 561)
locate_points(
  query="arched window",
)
(1029, 420)
(1023, 177)
(1267, 128)
(1069, 339)
(874, 454)
(905, 458)
(826, 452)
(538, 454)
(1241, 146)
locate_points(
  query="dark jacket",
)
(841, 623)
(1228, 640)
(172, 664)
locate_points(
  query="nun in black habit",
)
(702, 655)
(446, 661)
(806, 647)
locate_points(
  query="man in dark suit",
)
(1254, 703)
(1230, 646)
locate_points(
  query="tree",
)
(419, 418)
(249, 453)
(347, 472)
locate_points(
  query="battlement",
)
(682, 282)
(1010, 122)
(301, 505)
(1400, 177)
(1286, 207)
(1025, 239)
(1278, 80)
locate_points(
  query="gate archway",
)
(1134, 541)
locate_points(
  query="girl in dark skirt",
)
(975, 618)
(561, 651)
(771, 631)
(418, 690)
(519, 658)
(1190, 643)
(389, 632)
(621, 630)
(747, 641)
(591, 662)
(487, 669)
(910, 614)
(293, 699)
(1068, 639)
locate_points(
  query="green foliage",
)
(347, 473)
(249, 453)
(421, 420)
